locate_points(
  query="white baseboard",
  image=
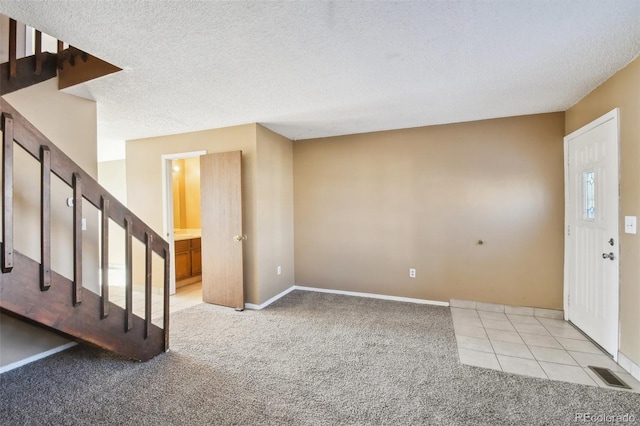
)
(373, 296)
(36, 357)
(345, 293)
(628, 365)
(270, 301)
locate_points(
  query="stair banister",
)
(16, 129)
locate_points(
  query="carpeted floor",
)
(310, 358)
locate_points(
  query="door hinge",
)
(568, 230)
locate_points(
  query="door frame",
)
(167, 207)
(568, 254)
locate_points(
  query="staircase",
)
(71, 65)
(30, 289)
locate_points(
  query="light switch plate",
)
(630, 225)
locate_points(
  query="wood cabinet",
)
(188, 259)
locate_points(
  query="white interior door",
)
(591, 242)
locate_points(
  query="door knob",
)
(608, 256)
(239, 238)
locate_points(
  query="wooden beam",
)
(7, 192)
(77, 239)
(45, 218)
(104, 259)
(147, 284)
(13, 44)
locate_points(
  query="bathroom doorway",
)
(180, 221)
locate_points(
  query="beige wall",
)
(622, 91)
(179, 210)
(73, 129)
(144, 185)
(192, 192)
(71, 125)
(275, 212)
(186, 193)
(368, 207)
(267, 196)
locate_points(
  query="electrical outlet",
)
(279, 269)
(412, 273)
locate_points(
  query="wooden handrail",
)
(16, 129)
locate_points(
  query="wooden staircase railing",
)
(33, 291)
(17, 73)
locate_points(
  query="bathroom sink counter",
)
(187, 234)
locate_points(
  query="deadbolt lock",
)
(611, 241)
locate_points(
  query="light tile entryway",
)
(530, 342)
(184, 298)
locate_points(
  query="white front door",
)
(591, 239)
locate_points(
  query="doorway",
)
(168, 206)
(221, 239)
(592, 236)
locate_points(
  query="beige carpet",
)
(308, 359)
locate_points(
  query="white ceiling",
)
(309, 69)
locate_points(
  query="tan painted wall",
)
(112, 175)
(368, 207)
(144, 186)
(192, 192)
(275, 212)
(622, 91)
(186, 193)
(71, 125)
(179, 219)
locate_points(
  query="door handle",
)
(609, 256)
(240, 237)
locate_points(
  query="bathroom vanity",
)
(188, 259)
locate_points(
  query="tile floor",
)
(529, 342)
(184, 298)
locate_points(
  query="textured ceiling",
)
(315, 68)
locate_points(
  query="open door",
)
(222, 237)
